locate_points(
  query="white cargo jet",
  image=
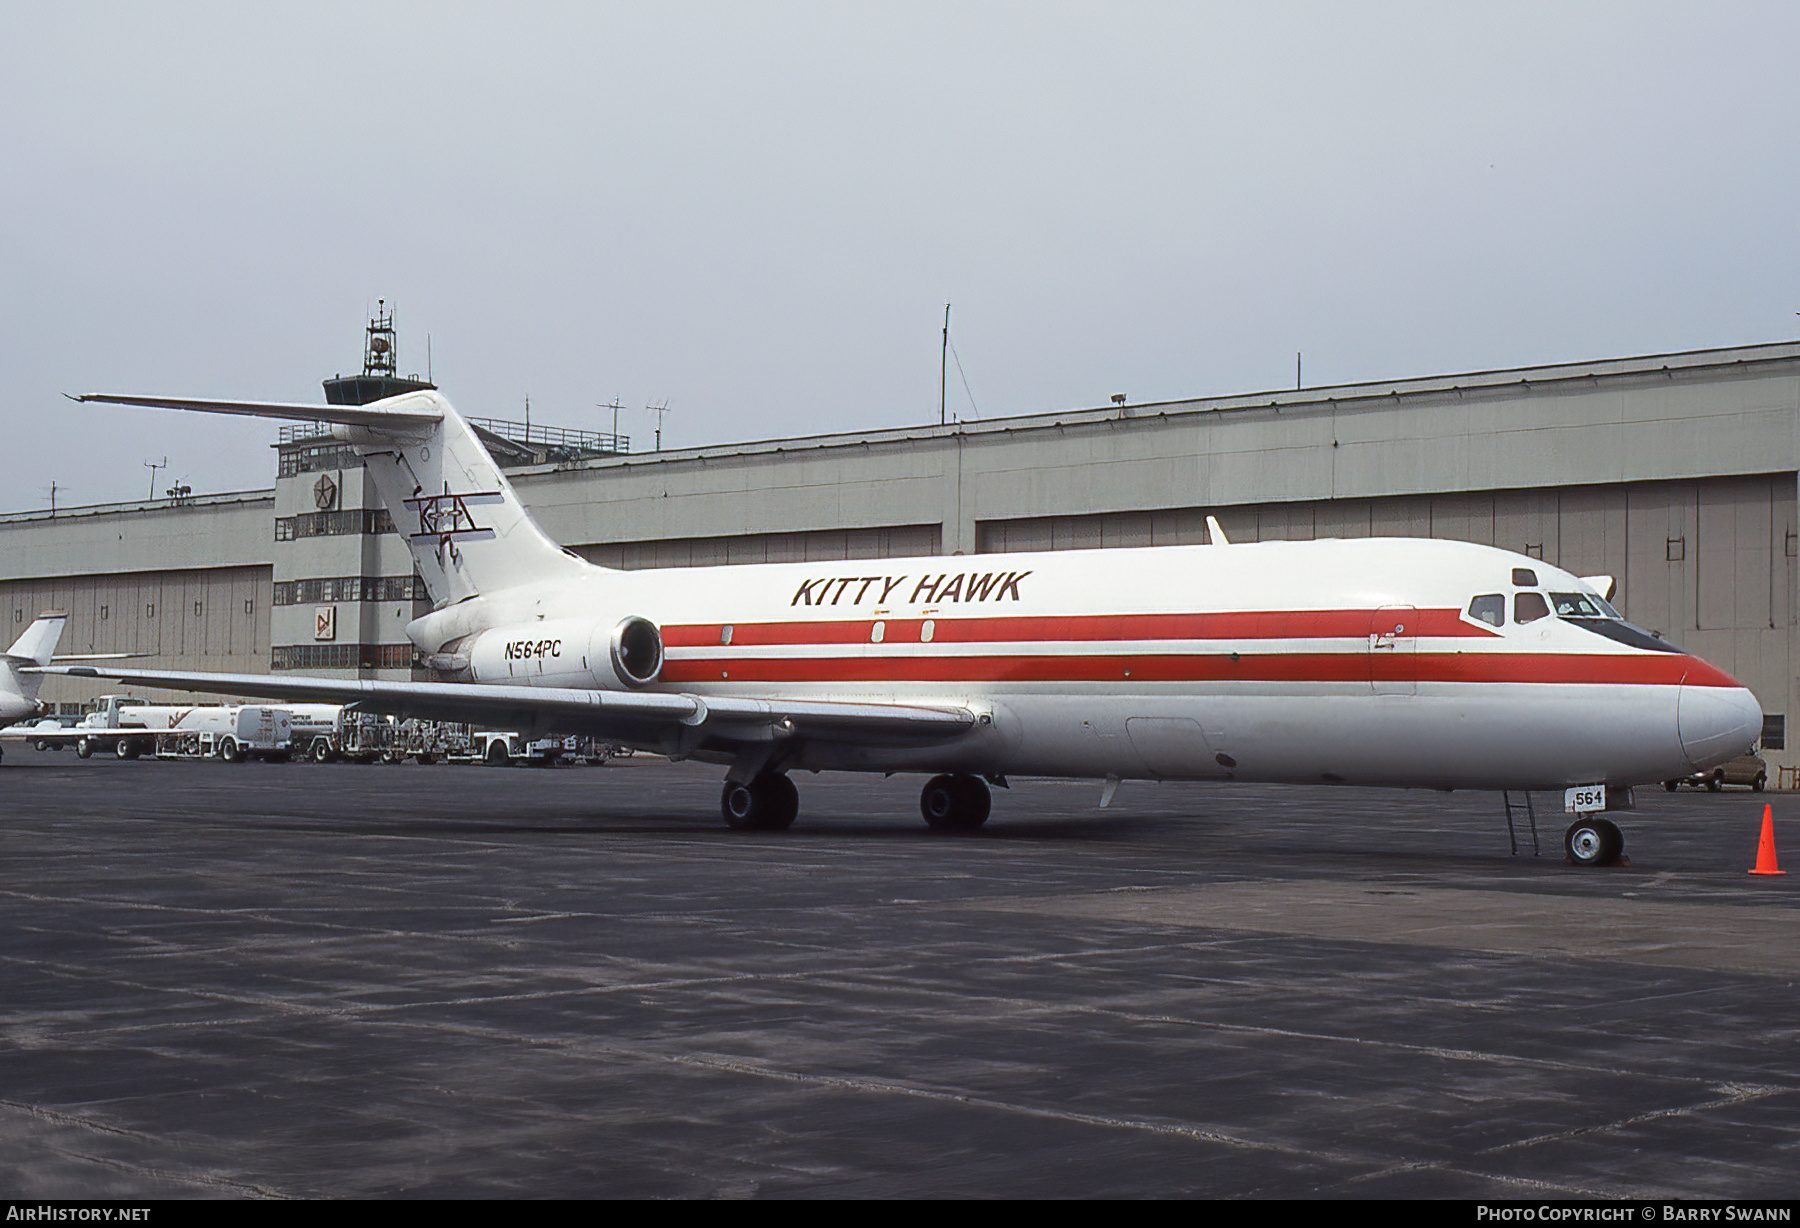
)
(1398, 662)
(19, 664)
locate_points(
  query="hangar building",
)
(1673, 473)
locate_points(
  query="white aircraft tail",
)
(34, 648)
(468, 531)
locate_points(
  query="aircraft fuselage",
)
(1364, 661)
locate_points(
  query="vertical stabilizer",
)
(38, 644)
(18, 689)
(468, 531)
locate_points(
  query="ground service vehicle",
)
(1748, 771)
(126, 727)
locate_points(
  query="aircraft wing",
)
(679, 722)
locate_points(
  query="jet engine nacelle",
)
(612, 654)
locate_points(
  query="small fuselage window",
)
(1489, 608)
(1529, 607)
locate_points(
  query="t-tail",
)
(468, 531)
(18, 684)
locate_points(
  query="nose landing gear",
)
(1593, 842)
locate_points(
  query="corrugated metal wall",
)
(213, 619)
(896, 541)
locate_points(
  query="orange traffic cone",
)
(1765, 848)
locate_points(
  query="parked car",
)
(1747, 770)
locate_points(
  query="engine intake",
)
(637, 651)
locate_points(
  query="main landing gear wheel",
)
(955, 803)
(767, 803)
(1593, 842)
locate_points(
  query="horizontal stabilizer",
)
(398, 414)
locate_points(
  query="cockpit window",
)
(1529, 607)
(1577, 605)
(1489, 608)
(1524, 577)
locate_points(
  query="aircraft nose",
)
(1716, 723)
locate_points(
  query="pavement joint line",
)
(374, 1012)
(62, 1117)
(1734, 1093)
(1530, 1183)
(247, 1188)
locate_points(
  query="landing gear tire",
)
(1715, 782)
(84, 749)
(1760, 783)
(1593, 842)
(767, 803)
(1671, 785)
(955, 803)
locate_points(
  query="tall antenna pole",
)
(615, 407)
(153, 466)
(943, 360)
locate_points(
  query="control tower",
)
(381, 367)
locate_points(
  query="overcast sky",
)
(756, 212)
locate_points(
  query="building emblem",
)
(325, 493)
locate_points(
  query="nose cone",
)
(1716, 723)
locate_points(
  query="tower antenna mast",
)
(943, 360)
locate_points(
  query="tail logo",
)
(447, 518)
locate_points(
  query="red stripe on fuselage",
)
(1087, 628)
(1640, 669)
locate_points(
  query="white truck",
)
(234, 734)
(127, 728)
(325, 733)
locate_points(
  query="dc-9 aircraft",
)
(1385, 661)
